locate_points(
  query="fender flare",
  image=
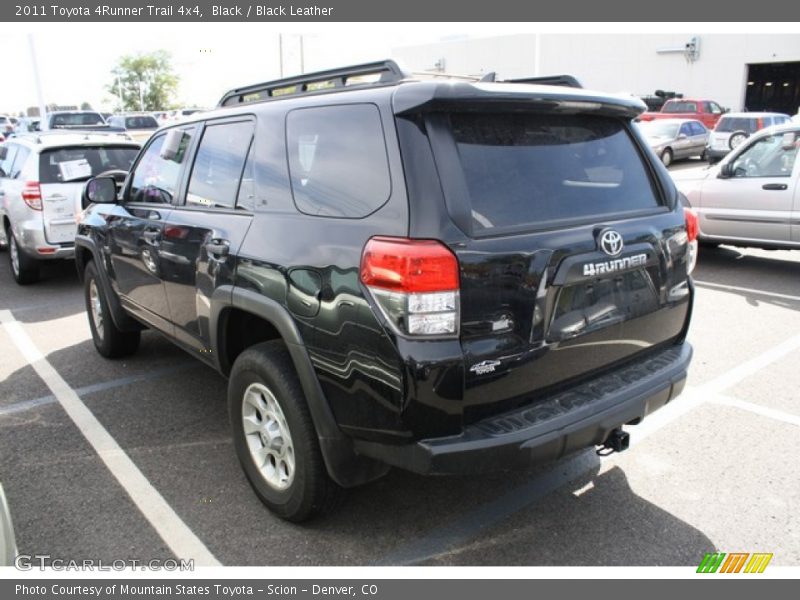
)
(344, 465)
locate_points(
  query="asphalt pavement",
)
(716, 470)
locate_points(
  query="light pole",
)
(141, 95)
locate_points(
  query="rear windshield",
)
(143, 122)
(680, 107)
(77, 119)
(524, 170)
(729, 124)
(81, 163)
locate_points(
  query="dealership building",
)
(743, 71)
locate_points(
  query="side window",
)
(19, 162)
(337, 160)
(698, 129)
(715, 108)
(156, 178)
(686, 129)
(772, 156)
(218, 165)
(247, 189)
(8, 161)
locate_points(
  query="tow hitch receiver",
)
(617, 441)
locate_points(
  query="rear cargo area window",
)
(79, 163)
(337, 160)
(530, 169)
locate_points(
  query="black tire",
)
(109, 340)
(24, 268)
(666, 157)
(310, 491)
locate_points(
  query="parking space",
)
(715, 470)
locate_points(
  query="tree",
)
(86, 106)
(146, 81)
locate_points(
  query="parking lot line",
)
(736, 288)
(103, 386)
(467, 526)
(175, 533)
(764, 411)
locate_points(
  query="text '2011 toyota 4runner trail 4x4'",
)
(442, 276)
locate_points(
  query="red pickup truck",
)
(706, 111)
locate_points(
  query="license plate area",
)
(61, 233)
(588, 306)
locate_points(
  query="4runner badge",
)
(484, 367)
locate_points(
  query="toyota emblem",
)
(611, 242)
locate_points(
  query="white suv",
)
(734, 128)
(41, 181)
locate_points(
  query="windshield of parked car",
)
(679, 106)
(730, 124)
(79, 163)
(659, 129)
(141, 122)
(76, 119)
(525, 170)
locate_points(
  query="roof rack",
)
(562, 80)
(368, 74)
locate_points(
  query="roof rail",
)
(562, 80)
(382, 72)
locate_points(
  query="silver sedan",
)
(673, 139)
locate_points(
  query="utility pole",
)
(37, 82)
(302, 57)
(280, 52)
(119, 93)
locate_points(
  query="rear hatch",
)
(62, 174)
(572, 256)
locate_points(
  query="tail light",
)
(415, 283)
(32, 195)
(692, 228)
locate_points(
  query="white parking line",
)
(764, 411)
(736, 288)
(175, 533)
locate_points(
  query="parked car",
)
(752, 197)
(28, 125)
(443, 276)
(707, 112)
(8, 544)
(673, 139)
(139, 126)
(734, 128)
(41, 180)
(6, 125)
(182, 114)
(74, 119)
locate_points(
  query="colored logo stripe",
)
(711, 562)
(735, 561)
(758, 562)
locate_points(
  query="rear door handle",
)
(775, 186)
(218, 248)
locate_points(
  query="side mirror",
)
(681, 136)
(100, 190)
(173, 146)
(726, 171)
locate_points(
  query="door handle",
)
(218, 248)
(774, 186)
(150, 236)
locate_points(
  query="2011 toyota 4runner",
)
(446, 277)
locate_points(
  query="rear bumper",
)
(32, 241)
(552, 427)
(716, 153)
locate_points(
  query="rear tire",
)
(109, 340)
(274, 436)
(24, 268)
(666, 157)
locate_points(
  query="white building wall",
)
(616, 62)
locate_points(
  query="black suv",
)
(443, 276)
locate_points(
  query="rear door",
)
(203, 234)
(572, 259)
(62, 174)
(756, 202)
